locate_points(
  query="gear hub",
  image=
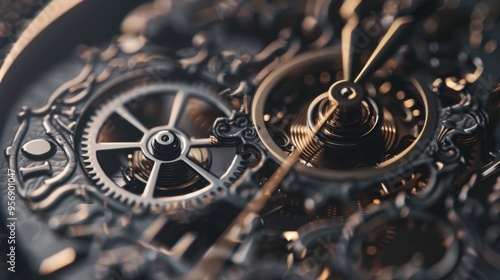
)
(169, 161)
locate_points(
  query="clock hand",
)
(350, 11)
(215, 257)
(393, 39)
(397, 35)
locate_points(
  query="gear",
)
(149, 146)
(372, 127)
(447, 245)
(375, 129)
(384, 136)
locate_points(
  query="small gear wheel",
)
(152, 146)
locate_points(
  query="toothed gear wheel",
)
(152, 146)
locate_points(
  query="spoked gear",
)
(152, 146)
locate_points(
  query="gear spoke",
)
(202, 171)
(171, 162)
(201, 142)
(247, 139)
(124, 113)
(107, 146)
(177, 108)
(151, 185)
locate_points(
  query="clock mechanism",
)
(250, 139)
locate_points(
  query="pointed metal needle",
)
(215, 257)
(396, 36)
(350, 33)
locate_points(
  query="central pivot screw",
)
(166, 146)
(351, 113)
(346, 94)
(351, 136)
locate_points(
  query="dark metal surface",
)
(249, 139)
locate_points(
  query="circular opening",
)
(348, 93)
(165, 138)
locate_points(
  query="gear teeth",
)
(88, 154)
(86, 158)
(116, 195)
(87, 130)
